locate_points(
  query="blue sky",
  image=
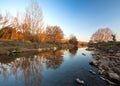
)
(79, 17)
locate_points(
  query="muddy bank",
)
(107, 60)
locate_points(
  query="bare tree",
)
(35, 15)
(16, 22)
(1, 17)
(31, 25)
(26, 27)
(102, 35)
(5, 20)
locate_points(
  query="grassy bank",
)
(7, 47)
(107, 46)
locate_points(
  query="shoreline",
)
(8, 47)
(107, 60)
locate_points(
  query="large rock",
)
(114, 76)
(116, 69)
(118, 54)
(94, 63)
(111, 51)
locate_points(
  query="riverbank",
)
(8, 47)
(107, 59)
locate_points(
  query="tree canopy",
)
(30, 26)
(102, 35)
(73, 40)
(54, 34)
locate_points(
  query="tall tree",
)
(54, 34)
(5, 20)
(73, 40)
(26, 28)
(16, 22)
(35, 16)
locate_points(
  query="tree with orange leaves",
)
(54, 34)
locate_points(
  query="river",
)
(58, 68)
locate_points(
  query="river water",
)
(58, 68)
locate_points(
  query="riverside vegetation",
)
(9, 47)
(29, 33)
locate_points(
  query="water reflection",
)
(29, 68)
(52, 59)
(73, 51)
(36, 69)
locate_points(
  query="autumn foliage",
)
(73, 40)
(54, 34)
(30, 27)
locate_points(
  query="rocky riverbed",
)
(107, 60)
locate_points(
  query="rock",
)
(102, 78)
(118, 54)
(90, 49)
(17, 59)
(114, 76)
(116, 70)
(39, 49)
(83, 54)
(109, 82)
(108, 62)
(111, 51)
(54, 48)
(104, 57)
(79, 81)
(91, 71)
(100, 71)
(13, 51)
(98, 56)
(94, 63)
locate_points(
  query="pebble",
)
(91, 71)
(79, 81)
(83, 54)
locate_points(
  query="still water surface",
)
(58, 68)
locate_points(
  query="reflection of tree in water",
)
(55, 60)
(33, 68)
(27, 69)
(73, 51)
